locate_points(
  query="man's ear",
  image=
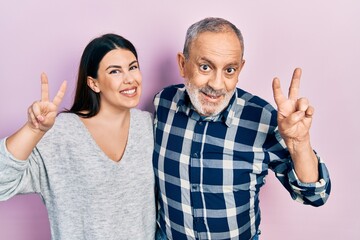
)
(93, 84)
(242, 64)
(181, 63)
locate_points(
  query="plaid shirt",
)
(209, 170)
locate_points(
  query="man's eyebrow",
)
(205, 59)
(234, 63)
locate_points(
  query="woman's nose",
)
(128, 78)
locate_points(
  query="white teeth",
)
(213, 97)
(131, 91)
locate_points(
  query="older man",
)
(214, 142)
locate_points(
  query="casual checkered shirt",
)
(209, 170)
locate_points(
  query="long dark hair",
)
(87, 102)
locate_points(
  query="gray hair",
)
(210, 24)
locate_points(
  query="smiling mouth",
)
(214, 97)
(129, 91)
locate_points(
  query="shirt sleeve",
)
(17, 176)
(315, 194)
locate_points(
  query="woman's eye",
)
(134, 67)
(115, 71)
(204, 67)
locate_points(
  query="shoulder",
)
(169, 95)
(140, 114)
(141, 125)
(254, 109)
(248, 99)
(64, 116)
(65, 122)
(170, 91)
(67, 119)
(141, 118)
(67, 126)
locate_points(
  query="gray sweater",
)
(87, 195)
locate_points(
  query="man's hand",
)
(294, 114)
(294, 121)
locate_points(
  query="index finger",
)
(294, 88)
(278, 94)
(44, 88)
(60, 94)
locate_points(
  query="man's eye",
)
(204, 67)
(230, 70)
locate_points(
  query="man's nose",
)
(217, 81)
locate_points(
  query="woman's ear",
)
(93, 84)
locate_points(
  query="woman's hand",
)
(42, 114)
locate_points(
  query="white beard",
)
(206, 108)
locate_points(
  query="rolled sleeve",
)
(315, 194)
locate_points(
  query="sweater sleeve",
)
(18, 176)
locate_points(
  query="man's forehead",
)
(222, 41)
(213, 47)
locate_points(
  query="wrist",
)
(34, 130)
(304, 159)
(22, 142)
(298, 146)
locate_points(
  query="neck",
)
(120, 117)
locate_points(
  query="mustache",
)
(212, 92)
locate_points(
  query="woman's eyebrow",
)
(113, 66)
(117, 66)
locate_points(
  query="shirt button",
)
(195, 155)
(200, 123)
(195, 187)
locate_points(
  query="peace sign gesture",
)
(294, 114)
(42, 114)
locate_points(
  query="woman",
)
(91, 164)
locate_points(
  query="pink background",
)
(321, 36)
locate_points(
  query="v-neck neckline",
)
(98, 148)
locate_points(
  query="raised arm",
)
(41, 117)
(294, 121)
